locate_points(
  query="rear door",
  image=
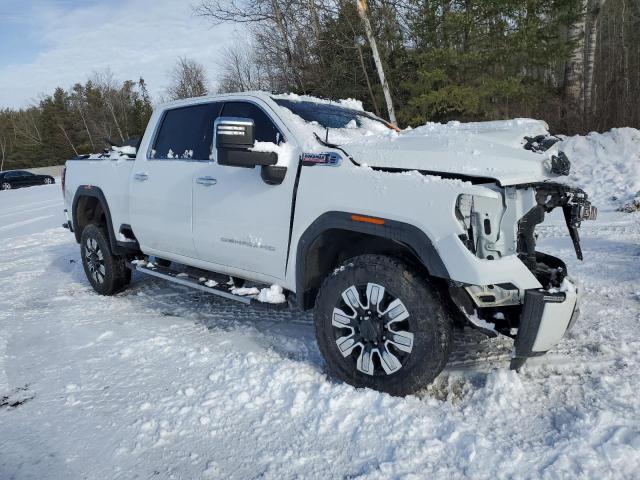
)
(238, 220)
(160, 188)
(19, 178)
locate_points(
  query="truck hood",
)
(493, 150)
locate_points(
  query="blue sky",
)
(44, 44)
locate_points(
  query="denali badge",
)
(331, 159)
(248, 243)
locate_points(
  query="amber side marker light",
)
(360, 218)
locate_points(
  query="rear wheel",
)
(5, 186)
(381, 325)
(107, 273)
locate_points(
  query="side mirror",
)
(234, 137)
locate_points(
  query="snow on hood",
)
(484, 149)
(493, 150)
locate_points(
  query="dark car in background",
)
(22, 178)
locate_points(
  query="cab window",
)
(186, 133)
(265, 129)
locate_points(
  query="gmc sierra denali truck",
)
(394, 238)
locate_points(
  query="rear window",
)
(186, 133)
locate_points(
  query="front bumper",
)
(546, 316)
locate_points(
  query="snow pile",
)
(125, 150)
(506, 132)
(606, 165)
(115, 153)
(285, 151)
(187, 154)
(273, 294)
(245, 291)
(339, 136)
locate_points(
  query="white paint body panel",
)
(160, 206)
(234, 223)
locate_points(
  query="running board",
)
(188, 281)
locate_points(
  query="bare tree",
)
(188, 79)
(78, 102)
(25, 126)
(362, 11)
(279, 27)
(242, 70)
(108, 87)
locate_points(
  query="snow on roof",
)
(350, 103)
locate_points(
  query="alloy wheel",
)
(6, 186)
(379, 337)
(95, 260)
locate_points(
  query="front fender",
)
(400, 232)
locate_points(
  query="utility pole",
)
(362, 11)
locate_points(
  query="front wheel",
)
(107, 273)
(381, 325)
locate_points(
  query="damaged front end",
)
(549, 312)
(537, 318)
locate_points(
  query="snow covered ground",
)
(164, 382)
(31, 210)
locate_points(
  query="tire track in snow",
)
(26, 206)
(36, 209)
(12, 226)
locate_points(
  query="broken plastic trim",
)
(560, 164)
(575, 206)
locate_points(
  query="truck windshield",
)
(331, 116)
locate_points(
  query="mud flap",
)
(546, 317)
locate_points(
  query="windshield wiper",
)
(325, 142)
(337, 147)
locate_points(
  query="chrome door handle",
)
(141, 177)
(207, 181)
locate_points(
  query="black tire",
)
(107, 273)
(428, 321)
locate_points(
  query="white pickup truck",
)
(393, 237)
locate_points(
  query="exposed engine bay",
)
(489, 237)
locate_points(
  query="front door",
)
(21, 179)
(238, 220)
(161, 183)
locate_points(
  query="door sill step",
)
(182, 278)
